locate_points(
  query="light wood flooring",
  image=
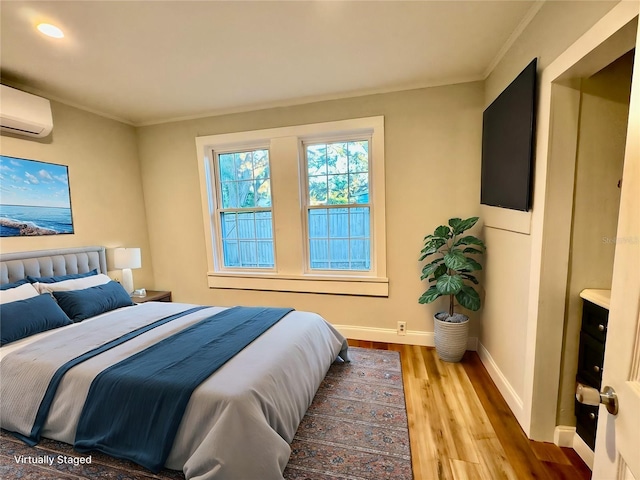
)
(460, 427)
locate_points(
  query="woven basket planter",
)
(451, 339)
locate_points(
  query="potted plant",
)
(451, 274)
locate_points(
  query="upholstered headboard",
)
(45, 263)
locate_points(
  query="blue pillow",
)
(6, 286)
(61, 278)
(23, 318)
(89, 302)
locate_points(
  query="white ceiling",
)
(145, 61)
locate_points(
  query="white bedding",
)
(238, 423)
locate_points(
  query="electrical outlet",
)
(402, 328)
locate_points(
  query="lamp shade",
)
(127, 258)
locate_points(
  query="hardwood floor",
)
(460, 427)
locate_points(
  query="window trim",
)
(298, 279)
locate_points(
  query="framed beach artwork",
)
(34, 198)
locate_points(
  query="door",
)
(617, 454)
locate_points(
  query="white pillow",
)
(73, 284)
(18, 293)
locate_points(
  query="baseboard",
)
(563, 436)
(506, 390)
(582, 449)
(389, 335)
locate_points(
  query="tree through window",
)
(245, 209)
(338, 209)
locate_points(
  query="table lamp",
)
(126, 259)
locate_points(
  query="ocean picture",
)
(34, 198)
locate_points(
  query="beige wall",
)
(104, 179)
(432, 155)
(603, 126)
(503, 332)
(556, 26)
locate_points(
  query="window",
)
(244, 209)
(296, 208)
(338, 209)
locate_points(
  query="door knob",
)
(590, 396)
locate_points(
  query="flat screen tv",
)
(508, 127)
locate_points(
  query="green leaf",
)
(436, 261)
(472, 250)
(464, 225)
(468, 276)
(434, 243)
(441, 270)
(433, 247)
(430, 268)
(426, 254)
(454, 222)
(430, 295)
(468, 298)
(470, 240)
(442, 232)
(449, 284)
(472, 265)
(455, 260)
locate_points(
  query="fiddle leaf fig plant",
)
(450, 270)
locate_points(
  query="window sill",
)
(332, 284)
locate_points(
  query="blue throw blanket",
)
(134, 408)
(45, 404)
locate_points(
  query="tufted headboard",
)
(45, 263)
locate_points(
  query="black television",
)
(508, 128)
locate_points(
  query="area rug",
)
(356, 428)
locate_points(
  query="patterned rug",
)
(356, 429)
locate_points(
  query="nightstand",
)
(153, 296)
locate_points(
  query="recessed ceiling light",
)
(50, 30)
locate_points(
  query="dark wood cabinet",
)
(593, 335)
(586, 423)
(594, 320)
(590, 360)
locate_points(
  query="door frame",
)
(556, 144)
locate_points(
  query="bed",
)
(238, 423)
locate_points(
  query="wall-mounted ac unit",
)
(24, 114)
